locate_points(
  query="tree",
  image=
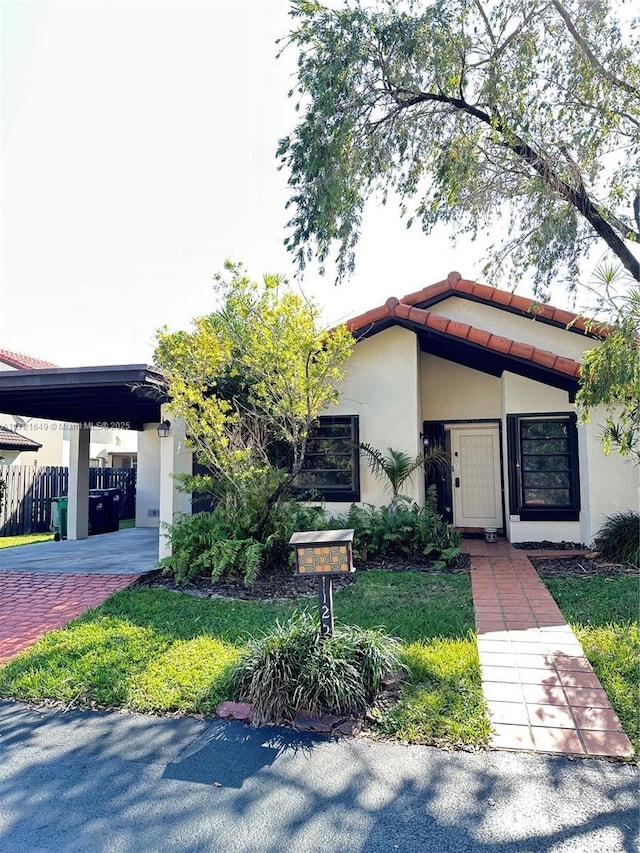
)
(470, 113)
(610, 374)
(249, 381)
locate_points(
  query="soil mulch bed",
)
(587, 566)
(580, 565)
(275, 585)
(284, 584)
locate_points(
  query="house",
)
(47, 442)
(12, 445)
(491, 377)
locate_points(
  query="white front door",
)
(475, 465)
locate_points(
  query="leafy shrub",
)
(205, 544)
(215, 544)
(619, 538)
(402, 529)
(294, 668)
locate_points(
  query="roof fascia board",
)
(79, 376)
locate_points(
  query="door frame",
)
(438, 432)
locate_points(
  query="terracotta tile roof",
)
(455, 285)
(406, 310)
(24, 362)
(10, 440)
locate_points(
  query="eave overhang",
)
(115, 396)
(477, 348)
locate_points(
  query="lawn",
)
(27, 539)
(152, 650)
(603, 612)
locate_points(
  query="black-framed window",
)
(544, 480)
(331, 466)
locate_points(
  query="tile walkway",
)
(541, 691)
(33, 603)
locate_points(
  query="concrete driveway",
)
(126, 552)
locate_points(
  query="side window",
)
(543, 467)
(331, 466)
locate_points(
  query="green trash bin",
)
(59, 510)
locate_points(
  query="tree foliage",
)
(249, 380)
(610, 375)
(470, 113)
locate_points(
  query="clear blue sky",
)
(138, 152)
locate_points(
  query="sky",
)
(138, 153)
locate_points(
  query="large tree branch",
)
(577, 197)
(593, 59)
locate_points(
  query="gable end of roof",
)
(455, 285)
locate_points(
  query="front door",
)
(475, 467)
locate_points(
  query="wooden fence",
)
(26, 507)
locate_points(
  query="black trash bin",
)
(100, 511)
(115, 504)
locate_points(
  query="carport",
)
(115, 397)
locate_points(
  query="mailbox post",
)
(324, 553)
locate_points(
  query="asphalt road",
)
(89, 781)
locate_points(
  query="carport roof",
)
(114, 396)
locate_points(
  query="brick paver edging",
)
(32, 604)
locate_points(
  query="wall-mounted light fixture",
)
(163, 429)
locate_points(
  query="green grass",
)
(152, 650)
(603, 612)
(28, 539)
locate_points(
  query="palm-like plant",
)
(396, 467)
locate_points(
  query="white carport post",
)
(148, 477)
(175, 458)
(78, 511)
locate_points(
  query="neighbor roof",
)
(10, 440)
(473, 346)
(23, 362)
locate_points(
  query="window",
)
(543, 467)
(331, 465)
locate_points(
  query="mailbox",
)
(323, 552)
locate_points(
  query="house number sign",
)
(322, 554)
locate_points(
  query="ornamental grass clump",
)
(294, 668)
(619, 538)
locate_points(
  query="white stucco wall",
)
(382, 386)
(148, 478)
(453, 392)
(523, 329)
(613, 480)
(175, 458)
(47, 433)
